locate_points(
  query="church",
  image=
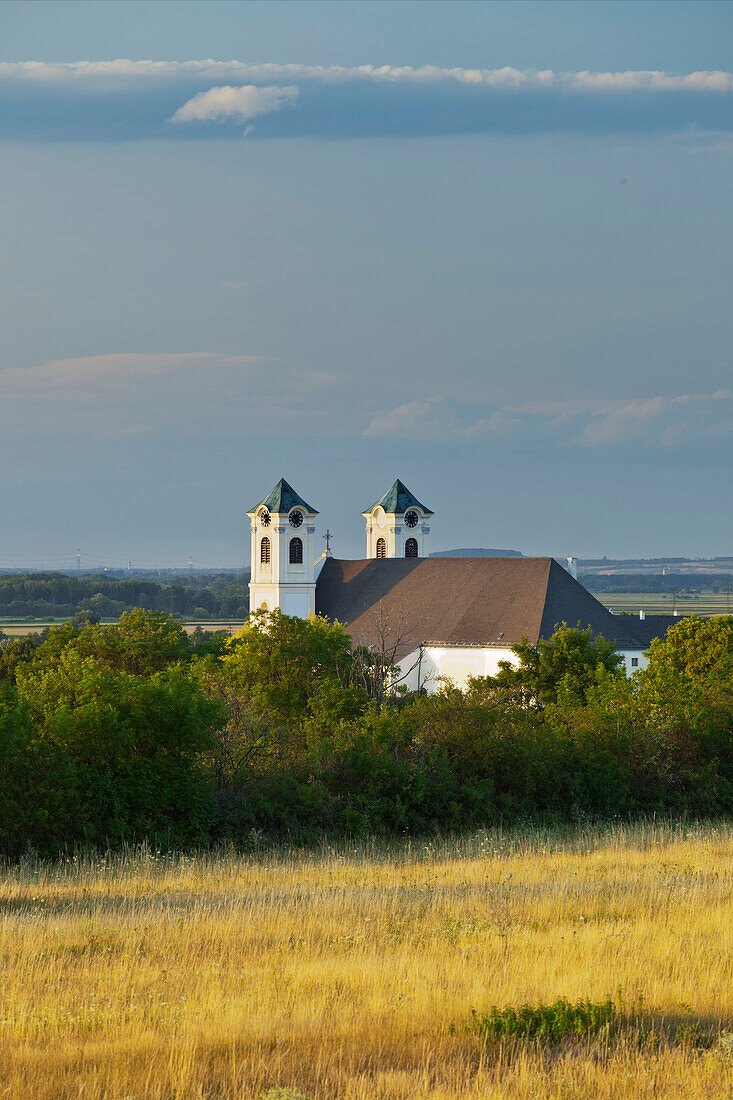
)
(433, 617)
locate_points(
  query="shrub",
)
(561, 1020)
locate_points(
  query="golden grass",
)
(339, 973)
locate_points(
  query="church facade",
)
(434, 618)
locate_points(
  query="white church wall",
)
(458, 663)
(634, 660)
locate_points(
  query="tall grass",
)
(352, 971)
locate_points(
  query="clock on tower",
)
(398, 525)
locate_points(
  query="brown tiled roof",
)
(462, 601)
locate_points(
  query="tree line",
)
(670, 583)
(136, 731)
(97, 596)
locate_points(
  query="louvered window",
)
(296, 551)
(265, 551)
(381, 548)
(411, 548)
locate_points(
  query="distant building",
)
(439, 616)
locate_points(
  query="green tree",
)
(135, 744)
(698, 650)
(288, 685)
(286, 663)
(142, 642)
(15, 651)
(559, 670)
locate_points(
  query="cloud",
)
(654, 421)
(622, 421)
(439, 418)
(181, 393)
(228, 102)
(109, 370)
(128, 100)
(124, 72)
(423, 418)
(631, 420)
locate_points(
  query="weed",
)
(286, 1093)
(561, 1020)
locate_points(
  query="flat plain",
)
(351, 971)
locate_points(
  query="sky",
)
(481, 247)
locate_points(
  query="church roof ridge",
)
(397, 500)
(282, 498)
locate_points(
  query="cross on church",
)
(328, 536)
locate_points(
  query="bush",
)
(135, 731)
(552, 1023)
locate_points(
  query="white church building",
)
(441, 617)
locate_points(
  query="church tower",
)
(398, 525)
(283, 526)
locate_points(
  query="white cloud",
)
(651, 81)
(422, 418)
(654, 421)
(227, 102)
(73, 99)
(438, 418)
(116, 395)
(123, 72)
(616, 421)
(622, 420)
(500, 422)
(110, 370)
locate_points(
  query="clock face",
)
(265, 518)
(296, 518)
(411, 519)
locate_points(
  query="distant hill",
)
(477, 552)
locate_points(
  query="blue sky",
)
(482, 247)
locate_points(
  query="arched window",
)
(265, 551)
(411, 548)
(296, 551)
(381, 548)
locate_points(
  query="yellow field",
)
(20, 630)
(339, 974)
(704, 603)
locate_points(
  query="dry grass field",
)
(21, 630)
(351, 972)
(660, 603)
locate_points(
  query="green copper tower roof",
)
(398, 499)
(282, 498)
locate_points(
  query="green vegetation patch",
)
(564, 1021)
(553, 1023)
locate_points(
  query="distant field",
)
(352, 972)
(19, 630)
(630, 602)
(665, 604)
